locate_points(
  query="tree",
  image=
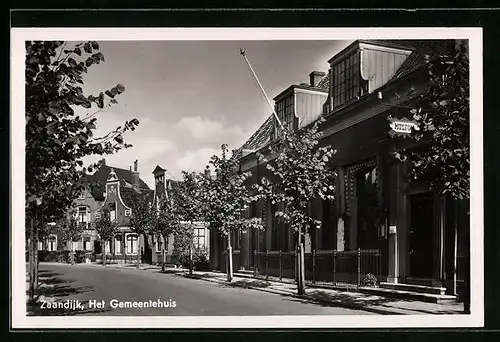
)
(166, 221)
(142, 220)
(225, 198)
(56, 137)
(106, 228)
(442, 159)
(188, 209)
(69, 230)
(301, 172)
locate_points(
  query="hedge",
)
(64, 256)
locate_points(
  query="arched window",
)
(131, 243)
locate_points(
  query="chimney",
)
(315, 77)
(135, 174)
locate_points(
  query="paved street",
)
(94, 283)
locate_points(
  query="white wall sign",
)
(402, 126)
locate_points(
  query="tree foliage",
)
(56, 138)
(104, 226)
(69, 229)
(166, 218)
(188, 207)
(301, 174)
(442, 159)
(141, 220)
(225, 197)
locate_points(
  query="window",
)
(328, 225)
(87, 246)
(159, 243)
(118, 244)
(112, 211)
(83, 216)
(131, 244)
(52, 243)
(368, 212)
(284, 109)
(347, 81)
(199, 238)
(279, 230)
(128, 212)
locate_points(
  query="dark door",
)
(421, 235)
(97, 247)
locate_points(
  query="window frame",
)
(347, 83)
(196, 238)
(158, 243)
(52, 243)
(83, 216)
(129, 243)
(285, 109)
(113, 211)
(118, 250)
(84, 243)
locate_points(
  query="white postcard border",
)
(19, 319)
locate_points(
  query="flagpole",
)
(243, 53)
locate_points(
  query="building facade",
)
(419, 237)
(200, 235)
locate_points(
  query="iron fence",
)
(236, 260)
(339, 268)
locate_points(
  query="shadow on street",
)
(55, 287)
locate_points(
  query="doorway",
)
(421, 237)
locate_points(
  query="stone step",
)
(409, 295)
(414, 288)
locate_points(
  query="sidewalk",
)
(323, 296)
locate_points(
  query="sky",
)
(192, 96)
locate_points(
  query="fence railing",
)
(339, 268)
(236, 260)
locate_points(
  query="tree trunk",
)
(229, 259)
(300, 264)
(36, 256)
(32, 261)
(301, 287)
(103, 247)
(138, 254)
(73, 253)
(164, 250)
(190, 259)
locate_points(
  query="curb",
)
(307, 297)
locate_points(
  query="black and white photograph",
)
(247, 178)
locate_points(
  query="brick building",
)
(413, 236)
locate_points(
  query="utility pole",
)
(300, 247)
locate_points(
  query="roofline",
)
(298, 86)
(349, 107)
(348, 49)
